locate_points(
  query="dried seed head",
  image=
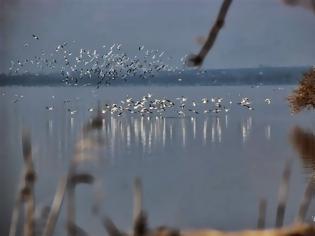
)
(140, 226)
(82, 178)
(30, 176)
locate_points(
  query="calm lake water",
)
(202, 170)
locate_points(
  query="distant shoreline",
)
(243, 76)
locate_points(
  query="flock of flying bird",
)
(109, 64)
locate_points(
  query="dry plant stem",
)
(28, 189)
(112, 229)
(308, 195)
(283, 195)
(304, 142)
(71, 200)
(29, 225)
(15, 217)
(76, 230)
(140, 227)
(55, 208)
(16, 208)
(198, 59)
(262, 214)
(137, 200)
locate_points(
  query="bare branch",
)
(197, 60)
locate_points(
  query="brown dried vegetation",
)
(304, 96)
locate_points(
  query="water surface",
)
(205, 170)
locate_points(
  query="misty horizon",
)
(256, 33)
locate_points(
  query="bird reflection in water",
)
(149, 134)
(246, 127)
(183, 125)
(216, 130)
(268, 132)
(205, 127)
(193, 121)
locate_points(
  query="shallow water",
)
(206, 170)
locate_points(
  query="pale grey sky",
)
(257, 32)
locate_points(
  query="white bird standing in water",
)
(204, 100)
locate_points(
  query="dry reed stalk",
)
(137, 199)
(55, 207)
(70, 207)
(262, 214)
(112, 229)
(76, 230)
(140, 227)
(16, 207)
(304, 143)
(27, 193)
(308, 195)
(71, 198)
(41, 219)
(197, 60)
(283, 194)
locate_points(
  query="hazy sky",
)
(257, 32)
